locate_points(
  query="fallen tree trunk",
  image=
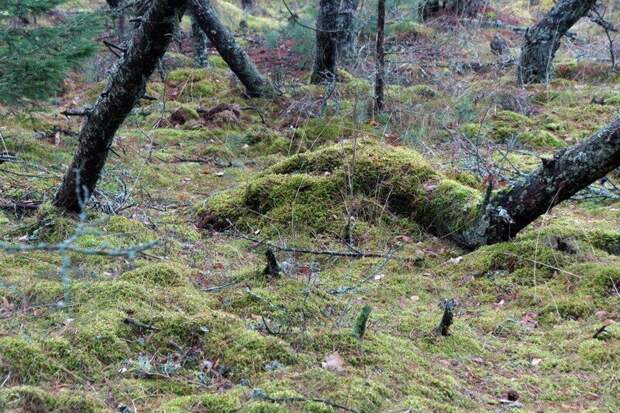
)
(126, 86)
(237, 59)
(559, 178)
(543, 40)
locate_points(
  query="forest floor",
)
(194, 325)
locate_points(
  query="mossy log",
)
(543, 40)
(237, 59)
(126, 86)
(308, 188)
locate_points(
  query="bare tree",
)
(557, 179)
(237, 59)
(326, 42)
(543, 40)
(125, 87)
(380, 75)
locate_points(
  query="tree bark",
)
(380, 75)
(346, 31)
(543, 40)
(237, 59)
(126, 86)
(468, 8)
(559, 178)
(199, 45)
(326, 43)
(119, 17)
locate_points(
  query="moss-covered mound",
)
(312, 190)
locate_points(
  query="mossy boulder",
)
(308, 189)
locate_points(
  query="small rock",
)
(333, 362)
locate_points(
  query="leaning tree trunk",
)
(237, 59)
(126, 86)
(543, 40)
(345, 43)
(380, 75)
(559, 178)
(199, 45)
(326, 42)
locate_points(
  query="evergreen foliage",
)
(37, 49)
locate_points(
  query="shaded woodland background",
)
(276, 238)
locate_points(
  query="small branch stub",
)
(272, 270)
(448, 306)
(359, 328)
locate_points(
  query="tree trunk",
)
(468, 8)
(346, 31)
(236, 58)
(247, 4)
(326, 43)
(380, 75)
(126, 86)
(543, 40)
(119, 16)
(559, 178)
(199, 45)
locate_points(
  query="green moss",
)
(598, 352)
(161, 274)
(187, 74)
(507, 124)
(25, 361)
(317, 131)
(212, 403)
(601, 279)
(217, 61)
(540, 139)
(264, 407)
(34, 399)
(526, 260)
(573, 307)
(307, 189)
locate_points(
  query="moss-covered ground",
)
(195, 325)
